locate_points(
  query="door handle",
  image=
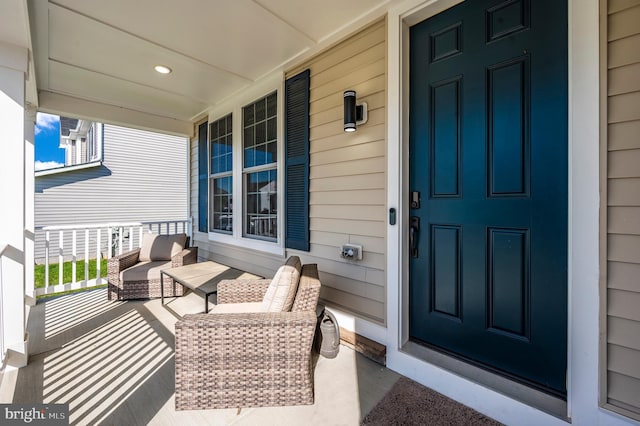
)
(414, 228)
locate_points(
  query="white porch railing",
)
(120, 237)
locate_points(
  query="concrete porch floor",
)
(112, 362)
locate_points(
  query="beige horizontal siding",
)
(624, 220)
(624, 332)
(623, 276)
(624, 248)
(624, 79)
(624, 23)
(624, 51)
(618, 5)
(624, 135)
(624, 164)
(350, 168)
(624, 304)
(624, 192)
(624, 361)
(348, 172)
(625, 389)
(624, 107)
(620, 369)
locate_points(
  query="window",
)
(92, 144)
(260, 161)
(244, 175)
(221, 175)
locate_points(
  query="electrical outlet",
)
(351, 251)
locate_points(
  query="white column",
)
(29, 203)
(13, 65)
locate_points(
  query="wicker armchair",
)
(147, 283)
(258, 359)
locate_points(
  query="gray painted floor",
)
(112, 362)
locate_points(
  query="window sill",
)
(248, 243)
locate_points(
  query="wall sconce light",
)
(354, 114)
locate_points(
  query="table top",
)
(205, 276)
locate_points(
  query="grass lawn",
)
(66, 272)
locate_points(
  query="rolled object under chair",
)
(329, 335)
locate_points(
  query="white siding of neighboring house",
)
(143, 177)
(347, 180)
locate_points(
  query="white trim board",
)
(65, 169)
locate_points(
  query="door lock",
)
(415, 199)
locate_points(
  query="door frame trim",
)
(583, 237)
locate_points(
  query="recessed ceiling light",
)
(162, 69)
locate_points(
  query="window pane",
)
(262, 204)
(221, 145)
(271, 129)
(259, 128)
(249, 117)
(272, 105)
(261, 109)
(221, 205)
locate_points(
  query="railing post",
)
(130, 238)
(120, 232)
(73, 256)
(109, 241)
(60, 257)
(86, 256)
(140, 230)
(98, 257)
(47, 241)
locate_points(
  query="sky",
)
(47, 140)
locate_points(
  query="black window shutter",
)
(296, 140)
(203, 172)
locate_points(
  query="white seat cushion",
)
(236, 308)
(284, 285)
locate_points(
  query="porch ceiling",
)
(105, 51)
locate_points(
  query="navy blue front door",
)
(488, 182)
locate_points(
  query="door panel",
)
(488, 154)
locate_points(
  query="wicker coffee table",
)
(202, 278)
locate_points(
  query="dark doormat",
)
(410, 403)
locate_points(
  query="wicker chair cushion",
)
(161, 247)
(283, 287)
(144, 271)
(236, 308)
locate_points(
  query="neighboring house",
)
(81, 141)
(111, 174)
(494, 189)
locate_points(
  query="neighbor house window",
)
(221, 175)
(260, 161)
(93, 154)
